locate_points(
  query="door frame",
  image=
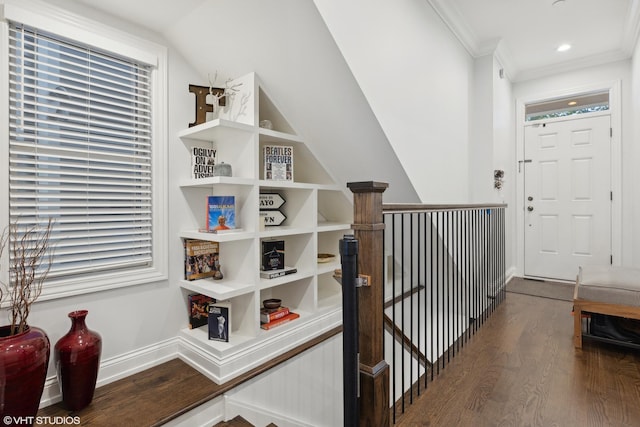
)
(615, 111)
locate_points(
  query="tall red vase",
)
(77, 359)
(24, 359)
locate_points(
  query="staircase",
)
(239, 422)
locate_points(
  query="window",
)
(579, 104)
(83, 151)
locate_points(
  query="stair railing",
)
(435, 273)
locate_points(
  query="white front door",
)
(567, 194)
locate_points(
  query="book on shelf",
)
(278, 163)
(199, 310)
(272, 255)
(221, 213)
(201, 259)
(281, 321)
(203, 159)
(270, 314)
(272, 274)
(219, 321)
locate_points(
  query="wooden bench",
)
(609, 290)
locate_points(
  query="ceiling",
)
(523, 33)
(526, 33)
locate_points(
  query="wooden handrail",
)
(413, 207)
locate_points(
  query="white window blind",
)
(80, 151)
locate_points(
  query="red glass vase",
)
(77, 358)
(24, 359)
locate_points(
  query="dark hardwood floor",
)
(520, 369)
(159, 394)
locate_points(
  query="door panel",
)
(567, 196)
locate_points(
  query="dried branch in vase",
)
(30, 259)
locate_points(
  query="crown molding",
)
(454, 20)
(573, 65)
(452, 17)
(632, 28)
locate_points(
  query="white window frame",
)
(74, 27)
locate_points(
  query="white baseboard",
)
(254, 352)
(259, 416)
(118, 367)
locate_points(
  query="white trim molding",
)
(64, 23)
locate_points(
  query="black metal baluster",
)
(426, 300)
(411, 284)
(402, 288)
(432, 268)
(466, 274)
(454, 281)
(476, 275)
(393, 311)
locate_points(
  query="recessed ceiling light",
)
(564, 47)
(572, 103)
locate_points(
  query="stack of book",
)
(272, 274)
(272, 317)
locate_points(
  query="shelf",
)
(219, 289)
(272, 136)
(284, 230)
(329, 267)
(329, 187)
(318, 213)
(215, 129)
(216, 180)
(200, 336)
(330, 302)
(263, 183)
(264, 333)
(270, 283)
(333, 226)
(231, 236)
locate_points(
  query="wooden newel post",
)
(368, 229)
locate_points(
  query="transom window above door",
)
(567, 106)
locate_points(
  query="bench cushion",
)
(609, 284)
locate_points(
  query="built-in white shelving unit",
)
(318, 213)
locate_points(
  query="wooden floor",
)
(148, 398)
(160, 394)
(520, 369)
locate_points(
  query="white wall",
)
(275, 397)
(481, 150)
(418, 80)
(504, 157)
(632, 149)
(630, 191)
(288, 46)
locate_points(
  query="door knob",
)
(529, 208)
